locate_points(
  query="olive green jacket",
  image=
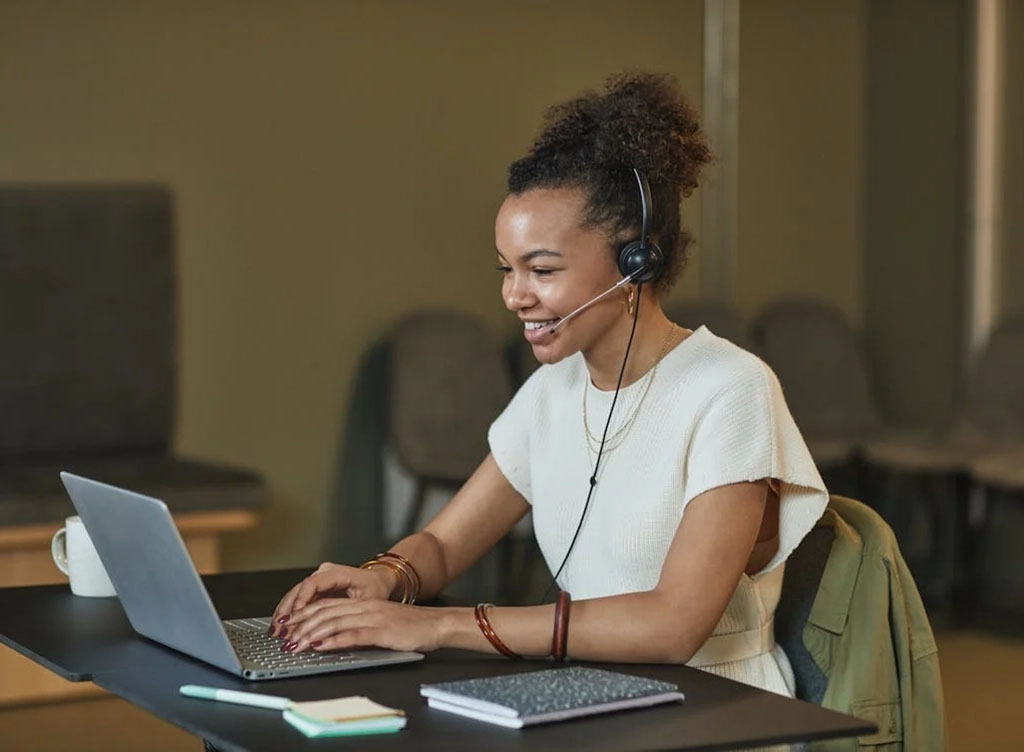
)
(869, 634)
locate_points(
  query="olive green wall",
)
(914, 204)
(338, 164)
(1012, 241)
(801, 153)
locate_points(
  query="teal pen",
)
(239, 698)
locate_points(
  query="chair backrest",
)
(804, 568)
(995, 392)
(865, 621)
(448, 382)
(721, 319)
(821, 366)
(87, 323)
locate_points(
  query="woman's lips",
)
(538, 331)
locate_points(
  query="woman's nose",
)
(517, 294)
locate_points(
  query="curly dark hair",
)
(593, 142)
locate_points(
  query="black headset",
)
(642, 259)
(643, 262)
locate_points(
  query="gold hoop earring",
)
(629, 303)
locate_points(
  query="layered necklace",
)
(616, 437)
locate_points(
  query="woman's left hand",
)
(342, 623)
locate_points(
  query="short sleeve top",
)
(712, 414)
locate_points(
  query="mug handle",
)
(58, 549)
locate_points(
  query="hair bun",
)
(592, 142)
(640, 121)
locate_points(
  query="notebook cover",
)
(552, 693)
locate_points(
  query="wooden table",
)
(25, 560)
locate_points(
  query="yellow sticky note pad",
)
(342, 709)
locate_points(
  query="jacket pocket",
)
(889, 719)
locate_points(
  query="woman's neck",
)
(604, 358)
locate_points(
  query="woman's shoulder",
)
(716, 365)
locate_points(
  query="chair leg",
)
(976, 503)
(896, 505)
(943, 561)
(905, 503)
(1000, 563)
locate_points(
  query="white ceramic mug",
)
(75, 556)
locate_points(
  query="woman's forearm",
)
(637, 627)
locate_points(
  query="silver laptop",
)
(165, 600)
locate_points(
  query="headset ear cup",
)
(634, 257)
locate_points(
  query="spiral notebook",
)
(517, 700)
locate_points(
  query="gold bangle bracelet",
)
(400, 576)
(407, 568)
(411, 590)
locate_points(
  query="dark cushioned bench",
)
(88, 353)
(32, 493)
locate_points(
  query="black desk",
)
(86, 639)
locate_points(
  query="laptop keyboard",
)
(251, 642)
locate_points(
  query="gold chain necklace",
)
(594, 442)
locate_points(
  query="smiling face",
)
(551, 265)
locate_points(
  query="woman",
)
(699, 482)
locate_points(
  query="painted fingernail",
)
(271, 630)
(283, 619)
(315, 644)
(290, 647)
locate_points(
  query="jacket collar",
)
(832, 603)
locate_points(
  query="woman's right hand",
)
(335, 581)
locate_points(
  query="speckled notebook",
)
(517, 700)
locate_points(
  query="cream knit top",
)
(713, 414)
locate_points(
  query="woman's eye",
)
(503, 269)
(543, 272)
